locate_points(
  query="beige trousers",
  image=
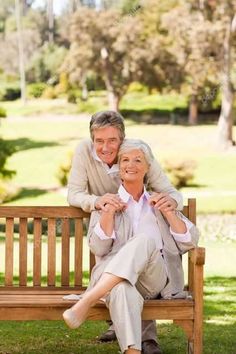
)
(141, 265)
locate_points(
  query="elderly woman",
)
(138, 251)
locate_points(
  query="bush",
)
(63, 85)
(137, 87)
(36, 90)
(6, 150)
(3, 113)
(64, 169)
(73, 95)
(8, 192)
(49, 93)
(11, 93)
(180, 172)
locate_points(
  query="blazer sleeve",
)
(78, 195)
(186, 246)
(97, 246)
(158, 182)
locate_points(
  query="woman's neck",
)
(134, 189)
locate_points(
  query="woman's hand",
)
(163, 202)
(112, 209)
(111, 199)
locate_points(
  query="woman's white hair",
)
(136, 144)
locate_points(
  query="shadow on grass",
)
(29, 193)
(27, 144)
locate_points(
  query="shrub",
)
(63, 85)
(6, 150)
(49, 93)
(137, 87)
(8, 192)
(36, 90)
(64, 169)
(10, 93)
(3, 112)
(73, 95)
(180, 172)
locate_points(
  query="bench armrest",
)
(196, 261)
(197, 256)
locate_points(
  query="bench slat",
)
(42, 212)
(65, 249)
(9, 252)
(78, 252)
(23, 252)
(51, 252)
(37, 251)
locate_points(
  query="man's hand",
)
(163, 202)
(111, 199)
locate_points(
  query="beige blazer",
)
(104, 250)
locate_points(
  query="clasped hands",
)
(113, 203)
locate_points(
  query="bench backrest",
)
(58, 232)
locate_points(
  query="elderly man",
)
(94, 181)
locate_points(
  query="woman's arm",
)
(107, 219)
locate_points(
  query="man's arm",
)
(78, 195)
(158, 182)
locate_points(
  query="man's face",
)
(107, 143)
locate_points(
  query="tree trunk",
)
(113, 97)
(193, 110)
(225, 123)
(20, 51)
(113, 101)
(50, 15)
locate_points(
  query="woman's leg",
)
(76, 315)
(125, 306)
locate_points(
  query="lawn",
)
(44, 142)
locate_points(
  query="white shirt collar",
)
(125, 196)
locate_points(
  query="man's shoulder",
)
(84, 146)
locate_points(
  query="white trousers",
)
(140, 263)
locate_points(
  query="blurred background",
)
(169, 67)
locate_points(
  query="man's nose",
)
(105, 146)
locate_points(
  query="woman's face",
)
(133, 166)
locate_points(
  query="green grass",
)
(43, 143)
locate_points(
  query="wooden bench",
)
(30, 296)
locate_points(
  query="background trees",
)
(181, 46)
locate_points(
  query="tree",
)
(103, 43)
(225, 15)
(196, 49)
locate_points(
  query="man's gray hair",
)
(136, 144)
(107, 119)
